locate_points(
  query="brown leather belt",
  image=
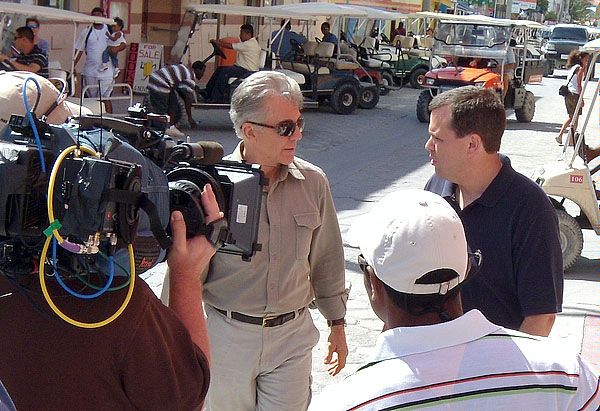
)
(268, 321)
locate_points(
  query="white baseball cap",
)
(408, 234)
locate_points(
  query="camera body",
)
(97, 199)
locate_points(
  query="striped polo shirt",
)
(465, 364)
(37, 56)
(172, 77)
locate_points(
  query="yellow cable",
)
(69, 319)
(52, 181)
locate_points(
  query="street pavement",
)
(373, 152)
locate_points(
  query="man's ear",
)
(377, 289)
(475, 143)
(248, 131)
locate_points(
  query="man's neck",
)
(271, 172)
(477, 180)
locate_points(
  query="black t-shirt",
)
(515, 226)
(36, 56)
(145, 359)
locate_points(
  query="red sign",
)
(131, 64)
(576, 179)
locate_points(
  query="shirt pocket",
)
(305, 225)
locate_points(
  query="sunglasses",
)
(284, 128)
(33, 26)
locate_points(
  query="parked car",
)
(563, 39)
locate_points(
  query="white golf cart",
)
(13, 16)
(569, 182)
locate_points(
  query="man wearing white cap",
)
(430, 355)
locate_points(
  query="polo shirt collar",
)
(495, 191)
(499, 185)
(403, 341)
(292, 170)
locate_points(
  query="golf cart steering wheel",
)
(318, 40)
(7, 65)
(385, 38)
(217, 50)
(296, 47)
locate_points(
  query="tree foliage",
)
(542, 6)
(578, 9)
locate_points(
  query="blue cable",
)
(38, 142)
(111, 274)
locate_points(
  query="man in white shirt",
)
(93, 41)
(430, 355)
(247, 61)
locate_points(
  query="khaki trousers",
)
(256, 368)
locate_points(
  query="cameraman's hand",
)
(188, 257)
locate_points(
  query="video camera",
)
(87, 181)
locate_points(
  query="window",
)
(122, 9)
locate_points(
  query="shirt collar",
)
(499, 185)
(403, 341)
(494, 192)
(292, 169)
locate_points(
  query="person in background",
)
(116, 44)
(282, 45)
(169, 83)
(34, 24)
(399, 31)
(31, 57)
(328, 36)
(505, 214)
(431, 354)
(247, 61)
(577, 65)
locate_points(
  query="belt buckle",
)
(267, 318)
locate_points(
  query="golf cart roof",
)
(51, 13)
(250, 11)
(490, 21)
(313, 10)
(378, 14)
(591, 46)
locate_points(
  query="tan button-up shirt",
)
(302, 256)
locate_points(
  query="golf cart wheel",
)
(423, 106)
(368, 97)
(344, 99)
(387, 79)
(571, 238)
(526, 112)
(417, 77)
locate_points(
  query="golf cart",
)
(332, 76)
(477, 49)
(317, 80)
(569, 182)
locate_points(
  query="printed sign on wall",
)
(149, 59)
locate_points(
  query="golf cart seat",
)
(311, 49)
(425, 42)
(324, 52)
(300, 79)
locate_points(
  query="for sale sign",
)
(149, 59)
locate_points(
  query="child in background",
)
(116, 39)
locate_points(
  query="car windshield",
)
(569, 33)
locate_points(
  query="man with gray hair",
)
(259, 327)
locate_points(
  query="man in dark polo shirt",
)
(505, 214)
(32, 58)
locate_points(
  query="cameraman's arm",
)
(186, 259)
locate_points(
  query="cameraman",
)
(150, 357)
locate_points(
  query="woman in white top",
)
(577, 65)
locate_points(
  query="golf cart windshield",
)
(472, 40)
(188, 24)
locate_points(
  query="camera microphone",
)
(204, 152)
